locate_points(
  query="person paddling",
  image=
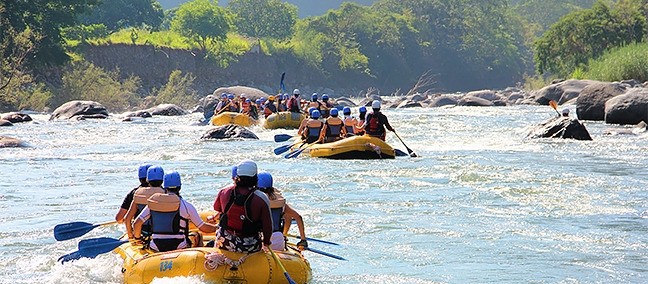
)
(244, 213)
(282, 214)
(294, 104)
(141, 172)
(333, 129)
(170, 216)
(311, 132)
(154, 176)
(376, 122)
(350, 122)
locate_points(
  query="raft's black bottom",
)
(359, 155)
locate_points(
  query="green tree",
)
(119, 14)
(584, 35)
(264, 18)
(46, 18)
(203, 22)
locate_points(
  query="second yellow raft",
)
(354, 147)
(232, 118)
(284, 119)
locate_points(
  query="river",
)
(481, 205)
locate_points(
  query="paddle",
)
(296, 153)
(91, 248)
(554, 105)
(294, 246)
(276, 258)
(282, 137)
(281, 83)
(282, 149)
(400, 153)
(411, 153)
(315, 240)
(222, 110)
(73, 230)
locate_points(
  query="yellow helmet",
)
(271, 98)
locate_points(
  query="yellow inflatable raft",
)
(284, 119)
(212, 265)
(232, 118)
(354, 147)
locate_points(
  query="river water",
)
(483, 204)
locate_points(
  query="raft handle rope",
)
(215, 259)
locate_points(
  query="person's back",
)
(119, 217)
(376, 122)
(326, 106)
(294, 104)
(313, 127)
(270, 107)
(244, 213)
(333, 129)
(169, 217)
(154, 176)
(350, 122)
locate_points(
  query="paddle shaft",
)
(278, 261)
(315, 240)
(410, 151)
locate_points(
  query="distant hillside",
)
(306, 7)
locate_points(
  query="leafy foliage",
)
(584, 35)
(264, 18)
(118, 14)
(628, 62)
(178, 90)
(203, 22)
(85, 81)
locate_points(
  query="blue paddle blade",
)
(72, 230)
(288, 278)
(70, 256)
(325, 253)
(282, 149)
(400, 153)
(93, 247)
(294, 154)
(282, 137)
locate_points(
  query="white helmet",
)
(296, 92)
(375, 104)
(243, 95)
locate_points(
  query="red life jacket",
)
(374, 125)
(235, 217)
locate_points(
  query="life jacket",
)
(165, 215)
(315, 104)
(334, 127)
(374, 125)
(233, 107)
(349, 124)
(141, 196)
(269, 109)
(277, 211)
(235, 217)
(313, 127)
(293, 104)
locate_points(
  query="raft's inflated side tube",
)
(235, 118)
(142, 265)
(355, 147)
(284, 119)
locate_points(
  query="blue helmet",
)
(172, 180)
(314, 97)
(258, 101)
(362, 109)
(141, 172)
(310, 110)
(230, 96)
(223, 95)
(325, 97)
(154, 173)
(315, 114)
(234, 172)
(285, 96)
(334, 112)
(264, 180)
(247, 100)
(346, 110)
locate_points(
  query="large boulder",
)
(250, 93)
(629, 108)
(640, 128)
(485, 94)
(369, 99)
(80, 110)
(6, 142)
(560, 92)
(4, 122)
(345, 102)
(590, 104)
(443, 100)
(139, 113)
(474, 101)
(207, 105)
(560, 127)
(229, 131)
(17, 117)
(409, 104)
(167, 110)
